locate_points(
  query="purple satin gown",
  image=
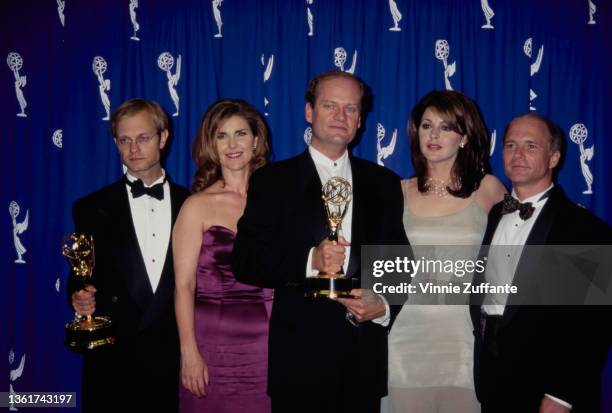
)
(231, 327)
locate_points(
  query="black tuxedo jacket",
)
(555, 350)
(145, 356)
(312, 348)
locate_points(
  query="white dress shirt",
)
(512, 233)
(152, 223)
(326, 168)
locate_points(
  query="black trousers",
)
(116, 381)
(496, 387)
(309, 403)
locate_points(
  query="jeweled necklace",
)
(437, 187)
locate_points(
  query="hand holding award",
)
(84, 332)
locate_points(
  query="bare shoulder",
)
(490, 183)
(409, 185)
(219, 205)
(210, 197)
(218, 196)
(196, 206)
(490, 192)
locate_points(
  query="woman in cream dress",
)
(446, 204)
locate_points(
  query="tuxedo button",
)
(114, 298)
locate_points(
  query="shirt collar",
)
(320, 159)
(535, 199)
(132, 178)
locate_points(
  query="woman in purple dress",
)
(223, 324)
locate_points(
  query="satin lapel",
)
(360, 191)
(130, 256)
(165, 288)
(311, 211)
(541, 229)
(492, 223)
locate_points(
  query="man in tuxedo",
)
(537, 358)
(324, 355)
(131, 221)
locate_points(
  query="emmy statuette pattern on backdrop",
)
(266, 76)
(15, 63)
(534, 68)
(99, 67)
(135, 25)
(165, 62)
(442, 51)
(14, 374)
(57, 147)
(18, 229)
(383, 152)
(578, 133)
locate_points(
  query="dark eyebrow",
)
(531, 141)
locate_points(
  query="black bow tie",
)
(138, 189)
(512, 204)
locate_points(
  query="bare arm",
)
(186, 243)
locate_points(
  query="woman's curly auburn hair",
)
(464, 117)
(204, 149)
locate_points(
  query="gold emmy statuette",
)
(84, 332)
(337, 195)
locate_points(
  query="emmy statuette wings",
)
(85, 333)
(337, 195)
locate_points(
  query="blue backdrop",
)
(69, 63)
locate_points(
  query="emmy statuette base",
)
(89, 334)
(329, 286)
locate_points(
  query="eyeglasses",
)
(140, 140)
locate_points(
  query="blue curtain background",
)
(63, 150)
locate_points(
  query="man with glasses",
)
(131, 222)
